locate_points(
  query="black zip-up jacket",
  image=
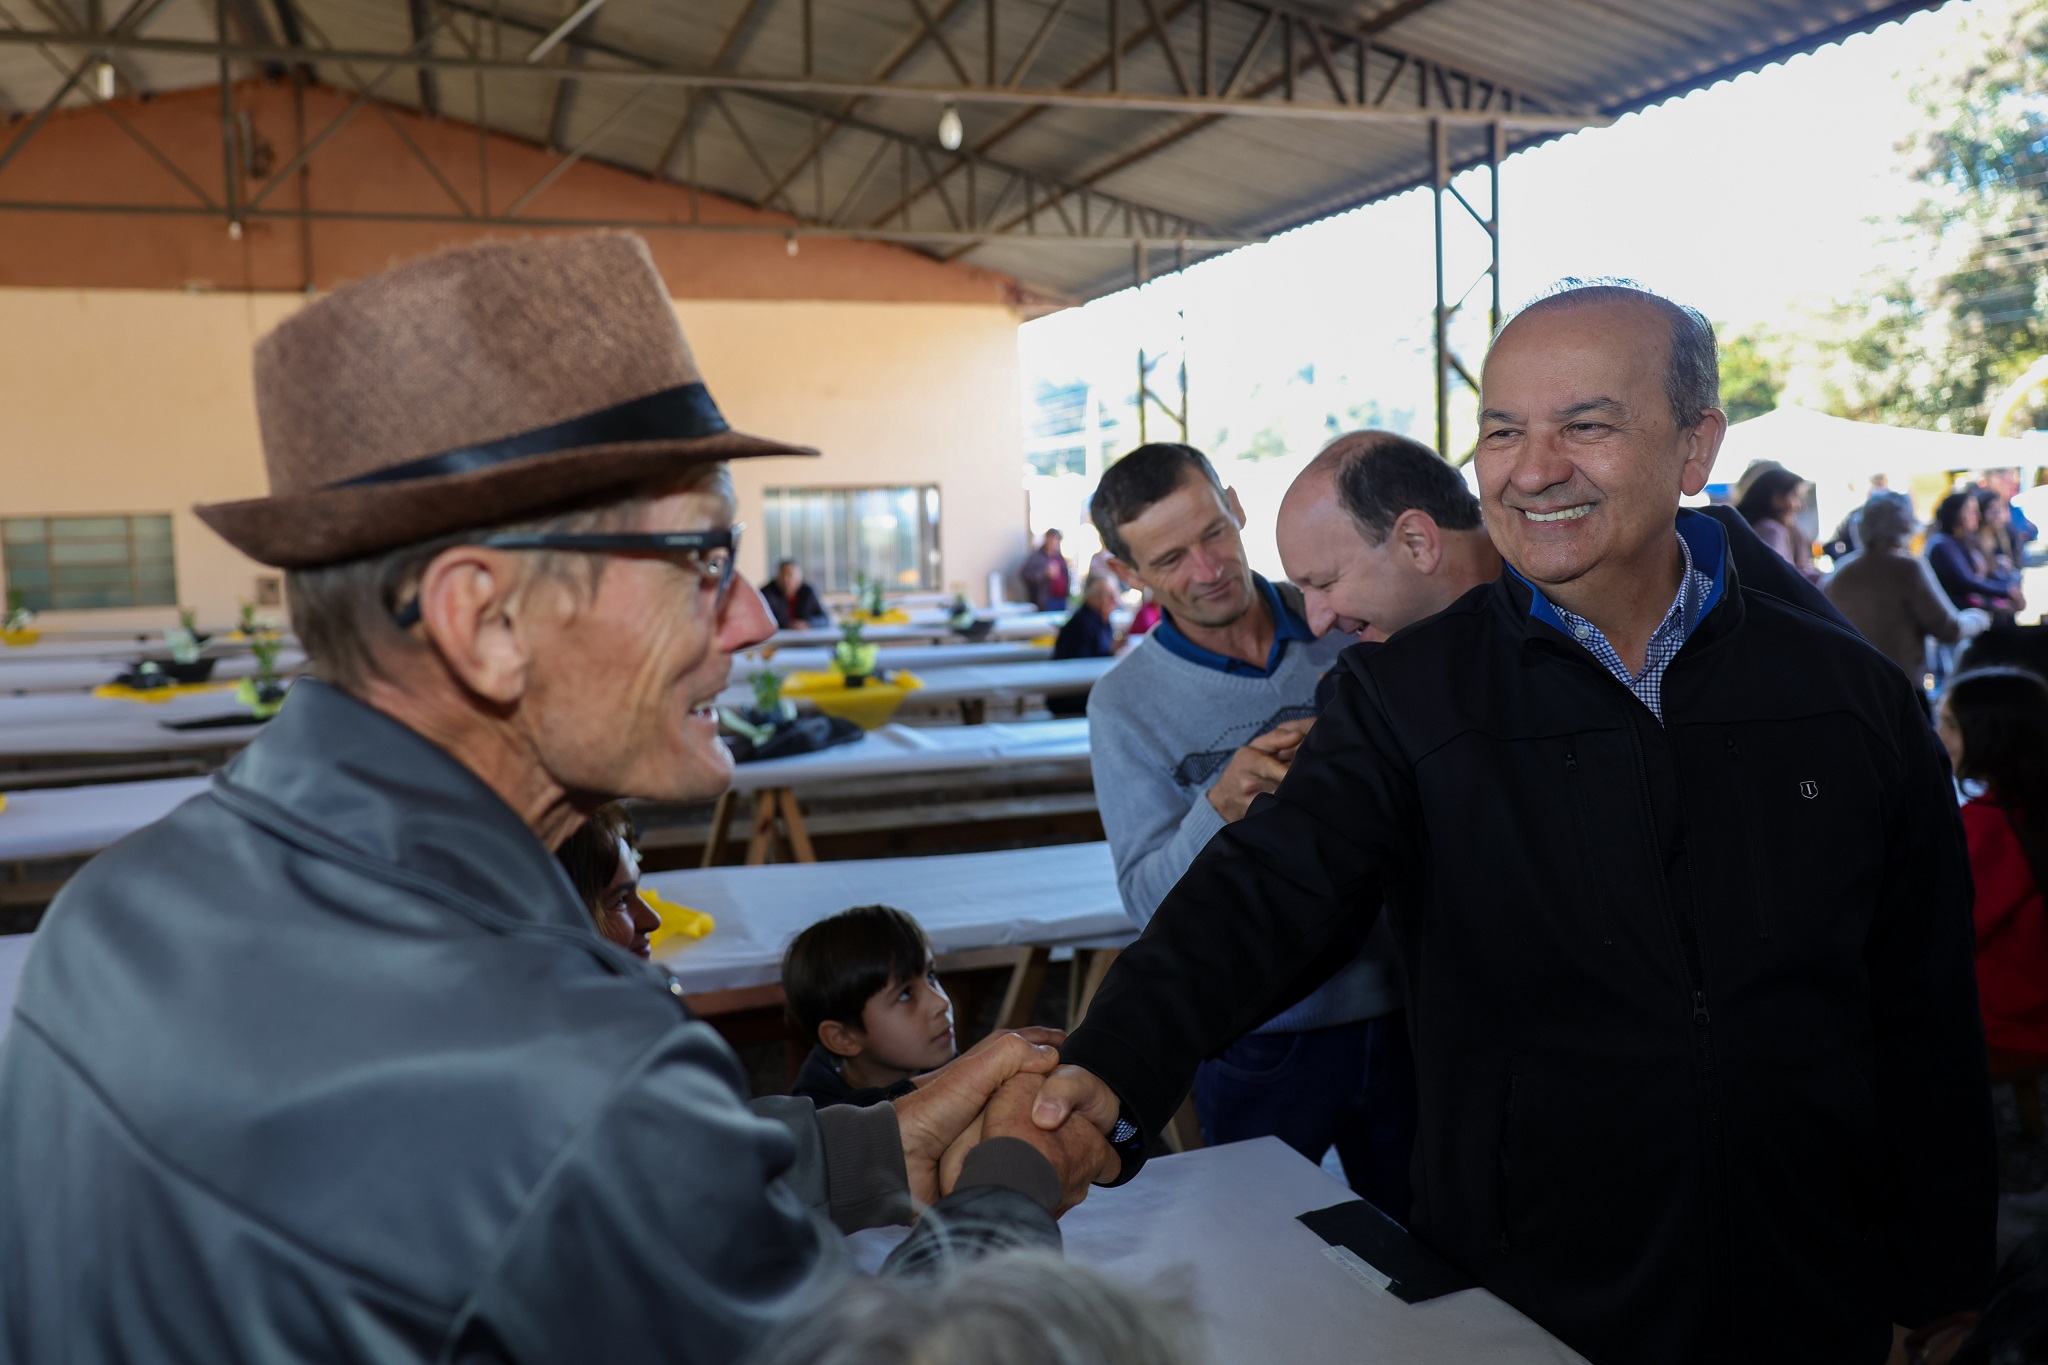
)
(1701, 1076)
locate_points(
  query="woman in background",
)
(1959, 564)
(1995, 539)
(1994, 724)
(1773, 504)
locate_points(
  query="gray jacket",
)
(330, 1065)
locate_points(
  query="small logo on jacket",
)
(1809, 790)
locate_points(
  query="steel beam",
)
(429, 83)
(1447, 360)
(888, 137)
(1440, 179)
(796, 86)
(903, 236)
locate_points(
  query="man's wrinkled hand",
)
(1054, 1038)
(1079, 1154)
(946, 1101)
(1257, 768)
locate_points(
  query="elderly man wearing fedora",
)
(330, 1064)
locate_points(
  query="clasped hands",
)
(990, 1091)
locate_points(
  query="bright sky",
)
(1749, 200)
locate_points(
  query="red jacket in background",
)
(2012, 933)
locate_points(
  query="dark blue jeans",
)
(1351, 1087)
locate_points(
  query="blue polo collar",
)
(1288, 626)
(1705, 542)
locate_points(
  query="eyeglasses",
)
(713, 554)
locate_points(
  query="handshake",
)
(991, 1091)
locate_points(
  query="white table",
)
(895, 749)
(976, 685)
(891, 750)
(1031, 898)
(916, 658)
(1008, 626)
(78, 723)
(1215, 1229)
(71, 821)
(1041, 897)
(874, 635)
(58, 673)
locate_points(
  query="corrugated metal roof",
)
(1165, 173)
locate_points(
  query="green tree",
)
(1752, 376)
(1932, 345)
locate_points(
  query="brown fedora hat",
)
(479, 385)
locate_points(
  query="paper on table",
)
(1413, 1272)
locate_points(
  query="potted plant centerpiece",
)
(19, 627)
(770, 706)
(264, 692)
(183, 641)
(853, 656)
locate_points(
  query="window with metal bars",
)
(86, 563)
(835, 533)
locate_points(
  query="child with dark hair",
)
(1994, 723)
(861, 986)
(603, 863)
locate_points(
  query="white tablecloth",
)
(916, 658)
(1216, 1230)
(67, 821)
(874, 635)
(79, 723)
(82, 674)
(983, 682)
(1062, 894)
(895, 749)
(926, 625)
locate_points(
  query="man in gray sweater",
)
(1185, 732)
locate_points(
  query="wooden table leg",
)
(1022, 993)
(793, 822)
(721, 824)
(761, 843)
(1090, 982)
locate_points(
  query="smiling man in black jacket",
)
(1680, 891)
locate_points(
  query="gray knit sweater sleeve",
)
(1153, 830)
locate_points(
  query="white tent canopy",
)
(1840, 456)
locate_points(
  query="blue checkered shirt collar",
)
(1704, 545)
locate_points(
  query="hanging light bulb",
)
(106, 80)
(950, 130)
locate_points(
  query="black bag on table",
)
(803, 736)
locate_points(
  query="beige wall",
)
(139, 401)
(904, 393)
